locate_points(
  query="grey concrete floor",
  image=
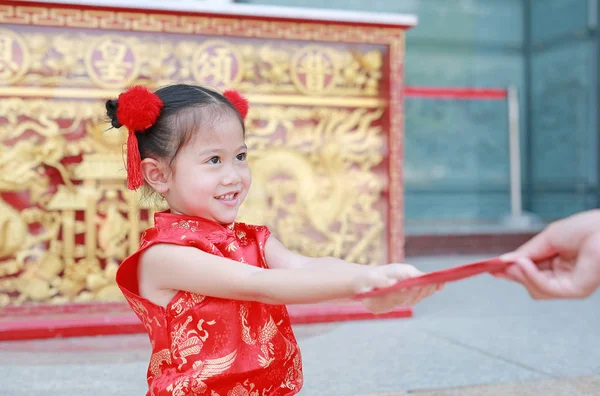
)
(480, 336)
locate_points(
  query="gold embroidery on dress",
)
(178, 306)
(185, 344)
(265, 335)
(204, 369)
(157, 359)
(142, 312)
(293, 378)
(232, 247)
(244, 390)
(190, 343)
(266, 391)
(187, 225)
(262, 255)
(241, 237)
(179, 388)
(183, 303)
(197, 299)
(247, 336)
(290, 348)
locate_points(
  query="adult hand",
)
(573, 273)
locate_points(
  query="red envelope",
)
(448, 275)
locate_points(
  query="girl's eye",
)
(241, 157)
(214, 160)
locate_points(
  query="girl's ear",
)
(155, 174)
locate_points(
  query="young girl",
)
(212, 292)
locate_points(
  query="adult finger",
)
(518, 275)
(537, 247)
(540, 283)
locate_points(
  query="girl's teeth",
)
(227, 197)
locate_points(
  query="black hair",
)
(179, 118)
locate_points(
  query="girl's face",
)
(210, 176)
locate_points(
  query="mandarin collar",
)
(214, 231)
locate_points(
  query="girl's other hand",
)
(386, 276)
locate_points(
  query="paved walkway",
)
(481, 336)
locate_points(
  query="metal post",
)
(517, 219)
(516, 201)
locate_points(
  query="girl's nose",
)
(231, 177)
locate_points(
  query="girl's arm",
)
(172, 267)
(278, 256)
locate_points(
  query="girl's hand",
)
(386, 276)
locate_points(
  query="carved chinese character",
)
(217, 63)
(313, 70)
(14, 57)
(112, 63)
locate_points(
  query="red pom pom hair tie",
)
(137, 109)
(238, 101)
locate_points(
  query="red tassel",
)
(134, 163)
(138, 109)
(238, 101)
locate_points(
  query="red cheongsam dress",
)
(203, 345)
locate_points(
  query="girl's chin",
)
(226, 219)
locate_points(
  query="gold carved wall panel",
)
(81, 60)
(321, 133)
